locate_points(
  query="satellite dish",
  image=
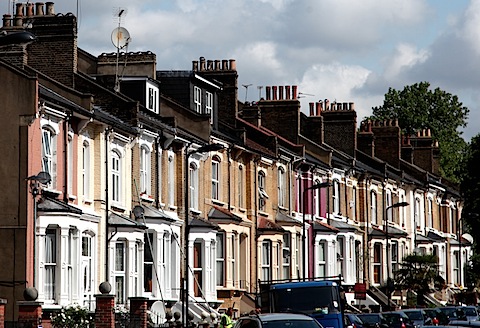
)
(120, 37)
(157, 312)
(138, 211)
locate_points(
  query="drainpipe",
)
(65, 159)
(107, 132)
(366, 245)
(157, 177)
(229, 178)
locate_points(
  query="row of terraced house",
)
(122, 178)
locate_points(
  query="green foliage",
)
(74, 317)
(470, 187)
(418, 273)
(417, 107)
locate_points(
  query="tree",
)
(419, 273)
(417, 107)
(470, 188)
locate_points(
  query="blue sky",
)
(344, 50)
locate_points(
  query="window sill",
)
(217, 202)
(87, 201)
(118, 208)
(264, 214)
(172, 207)
(195, 212)
(241, 209)
(72, 197)
(147, 198)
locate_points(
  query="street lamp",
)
(385, 219)
(201, 150)
(313, 187)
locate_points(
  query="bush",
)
(74, 317)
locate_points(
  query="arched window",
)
(216, 177)
(388, 203)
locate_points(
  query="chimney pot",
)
(30, 9)
(287, 92)
(19, 11)
(267, 93)
(233, 65)
(327, 104)
(345, 106)
(202, 64)
(280, 92)
(209, 65)
(319, 108)
(224, 65)
(274, 92)
(311, 109)
(39, 8)
(217, 64)
(7, 20)
(294, 92)
(194, 65)
(50, 8)
(351, 106)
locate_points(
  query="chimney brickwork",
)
(224, 71)
(366, 139)
(425, 151)
(339, 125)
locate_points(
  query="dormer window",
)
(152, 98)
(209, 105)
(197, 99)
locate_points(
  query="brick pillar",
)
(138, 311)
(104, 311)
(29, 313)
(3, 302)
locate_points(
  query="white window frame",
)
(322, 259)
(216, 175)
(116, 174)
(388, 203)
(266, 260)
(336, 196)
(149, 262)
(316, 199)
(220, 259)
(281, 186)
(209, 105)
(241, 187)
(394, 257)
(120, 271)
(152, 99)
(171, 179)
(86, 170)
(262, 194)
(88, 269)
(286, 255)
(50, 265)
(193, 185)
(373, 207)
(377, 265)
(233, 257)
(197, 99)
(145, 170)
(353, 203)
(70, 163)
(416, 214)
(429, 212)
(340, 255)
(49, 154)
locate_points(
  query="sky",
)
(341, 50)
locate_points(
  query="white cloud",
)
(405, 56)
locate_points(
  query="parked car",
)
(434, 314)
(398, 319)
(418, 316)
(448, 313)
(277, 320)
(470, 312)
(373, 320)
(353, 320)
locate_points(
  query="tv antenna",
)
(302, 94)
(246, 90)
(120, 39)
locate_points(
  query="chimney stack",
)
(339, 126)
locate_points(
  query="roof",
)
(323, 227)
(220, 213)
(343, 226)
(283, 217)
(202, 223)
(153, 213)
(119, 221)
(392, 232)
(54, 205)
(268, 225)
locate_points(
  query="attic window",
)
(152, 99)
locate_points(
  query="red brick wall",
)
(138, 311)
(104, 313)
(2, 312)
(29, 313)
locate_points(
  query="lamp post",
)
(385, 219)
(201, 150)
(313, 187)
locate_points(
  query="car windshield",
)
(310, 300)
(291, 324)
(393, 317)
(370, 318)
(414, 315)
(470, 311)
